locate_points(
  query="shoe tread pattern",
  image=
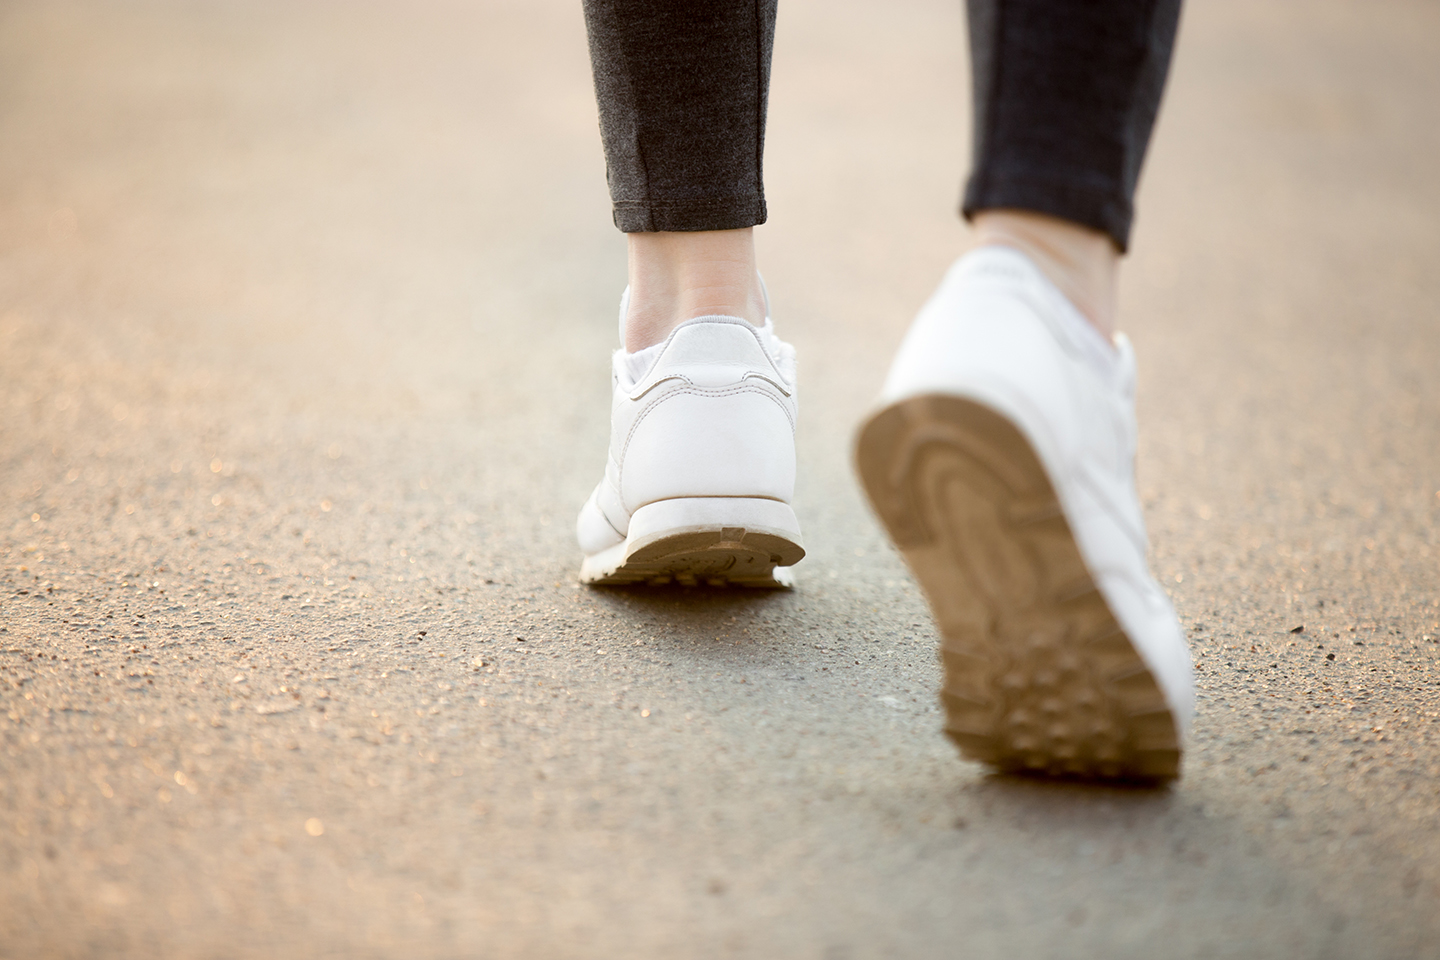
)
(720, 557)
(1039, 676)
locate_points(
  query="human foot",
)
(1084, 264)
(701, 471)
(1002, 464)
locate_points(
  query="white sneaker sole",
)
(715, 541)
(1039, 675)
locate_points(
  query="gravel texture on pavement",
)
(305, 315)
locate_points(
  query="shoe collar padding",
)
(710, 352)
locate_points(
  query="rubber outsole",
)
(1039, 675)
(702, 541)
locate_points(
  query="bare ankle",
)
(676, 277)
(1083, 263)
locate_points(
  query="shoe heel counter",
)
(736, 440)
(715, 352)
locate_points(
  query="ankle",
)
(1083, 263)
(676, 277)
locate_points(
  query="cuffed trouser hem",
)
(686, 216)
(1108, 212)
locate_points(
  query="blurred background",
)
(305, 315)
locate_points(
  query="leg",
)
(1002, 460)
(702, 456)
(676, 277)
(1082, 262)
(682, 91)
(1065, 100)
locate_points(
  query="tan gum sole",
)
(721, 557)
(1039, 676)
(715, 541)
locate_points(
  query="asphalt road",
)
(305, 312)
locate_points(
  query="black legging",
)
(1065, 98)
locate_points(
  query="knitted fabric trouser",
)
(1065, 99)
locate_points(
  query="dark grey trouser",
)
(1066, 93)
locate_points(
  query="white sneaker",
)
(701, 472)
(1002, 464)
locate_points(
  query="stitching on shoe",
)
(696, 392)
(716, 392)
(788, 383)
